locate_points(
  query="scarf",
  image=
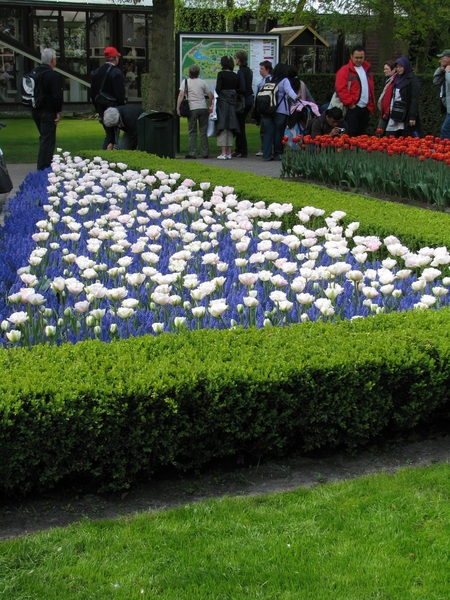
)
(403, 61)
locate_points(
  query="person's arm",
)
(286, 90)
(343, 88)
(414, 108)
(241, 82)
(56, 94)
(118, 86)
(179, 100)
(219, 82)
(438, 77)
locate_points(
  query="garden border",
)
(109, 414)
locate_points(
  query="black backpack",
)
(266, 100)
(31, 88)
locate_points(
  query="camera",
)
(341, 129)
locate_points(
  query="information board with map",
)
(206, 50)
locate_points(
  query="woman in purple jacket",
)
(276, 124)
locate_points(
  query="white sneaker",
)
(228, 156)
(259, 153)
(222, 157)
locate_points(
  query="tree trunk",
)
(386, 34)
(162, 57)
(229, 16)
(261, 15)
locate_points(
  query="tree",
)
(162, 53)
(415, 25)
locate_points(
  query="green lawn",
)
(19, 140)
(383, 536)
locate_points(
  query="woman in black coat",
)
(406, 90)
(227, 123)
(245, 76)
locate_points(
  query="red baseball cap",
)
(111, 52)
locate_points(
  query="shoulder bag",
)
(184, 106)
(398, 110)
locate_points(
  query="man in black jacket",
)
(126, 119)
(107, 85)
(48, 114)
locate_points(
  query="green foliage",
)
(397, 175)
(112, 413)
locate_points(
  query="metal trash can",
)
(156, 133)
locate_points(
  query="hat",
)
(111, 52)
(445, 53)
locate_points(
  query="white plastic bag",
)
(212, 127)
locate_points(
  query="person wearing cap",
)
(108, 85)
(441, 77)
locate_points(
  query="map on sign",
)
(206, 52)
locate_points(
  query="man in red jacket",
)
(354, 86)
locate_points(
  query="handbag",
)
(6, 184)
(102, 98)
(398, 110)
(105, 100)
(185, 111)
(337, 102)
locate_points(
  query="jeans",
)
(274, 126)
(445, 131)
(45, 122)
(199, 115)
(357, 120)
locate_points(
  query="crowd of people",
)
(347, 112)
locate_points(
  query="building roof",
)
(300, 35)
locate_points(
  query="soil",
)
(60, 509)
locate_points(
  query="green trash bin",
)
(156, 133)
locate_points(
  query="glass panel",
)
(8, 86)
(134, 44)
(75, 41)
(46, 34)
(99, 36)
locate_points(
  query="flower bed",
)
(412, 168)
(108, 415)
(121, 253)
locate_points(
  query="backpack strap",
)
(186, 89)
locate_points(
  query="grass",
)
(382, 536)
(20, 139)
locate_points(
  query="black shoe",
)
(189, 156)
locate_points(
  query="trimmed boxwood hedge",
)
(110, 414)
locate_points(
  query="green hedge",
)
(111, 414)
